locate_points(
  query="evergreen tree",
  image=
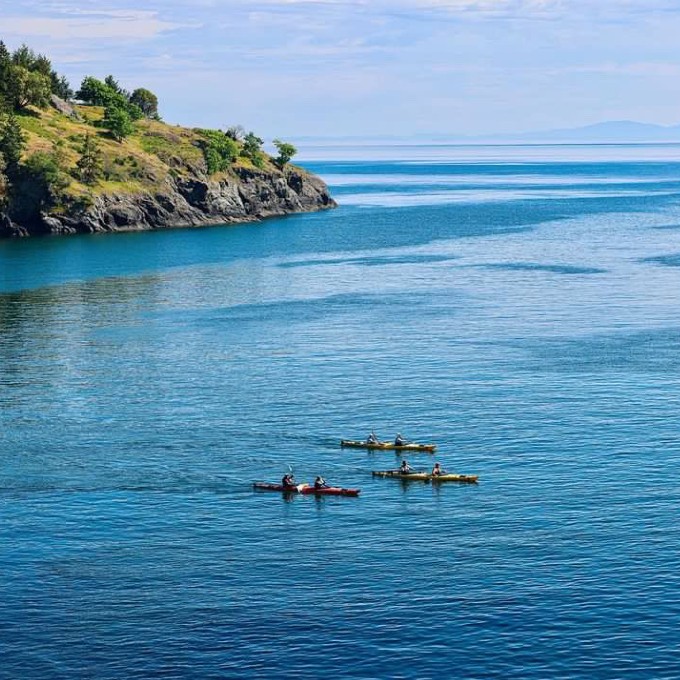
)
(60, 86)
(5, 68)
(91, 162)
(12, 143)
(111, 82)
(252, 144)
(4, 183)
(24, 56)
(41, 64)
(59, 155)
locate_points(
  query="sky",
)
(334, 68)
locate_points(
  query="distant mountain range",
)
(610, 132)
(616, 131)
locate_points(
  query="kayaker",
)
(320, 483)
(437, 470)
(405, 468)
(399, 440)
(288, 481)
(372, 439)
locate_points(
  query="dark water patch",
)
(666, 227)
(654, 351)
(532, 266)
(306, 310)
(371, 261)
(665, 260)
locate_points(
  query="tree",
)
(118, 122)
(108, 94)
(111, 82)
(95, 92)
(43, 169)
(5, 68)
(146, 100)
(25, 78)
(91, 162)
(252, 144)
(26, 87)
(219, 150)
(24, 56)
(59, 155)
(12, 143)
(41, 64)
(235, 132)
(4, 183)
(286, 152)
(134, 111)
(60, 86)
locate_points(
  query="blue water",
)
(520, 306)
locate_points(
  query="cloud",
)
(100, 25)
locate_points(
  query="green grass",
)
(142, 162)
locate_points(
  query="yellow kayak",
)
(387, 446)
(426, 476)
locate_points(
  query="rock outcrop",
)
(244, 195)
(64, 107)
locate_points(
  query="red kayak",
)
(307, 489)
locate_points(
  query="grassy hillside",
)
(108, 162)
(140, 163)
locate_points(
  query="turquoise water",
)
(520, 306)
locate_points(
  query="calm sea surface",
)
(520, 306)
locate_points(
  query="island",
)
(102, 160)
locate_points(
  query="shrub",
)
(118, 122)
(219, 150)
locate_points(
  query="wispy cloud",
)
(99, 25)
(361, 66)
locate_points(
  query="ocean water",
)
(520, 306)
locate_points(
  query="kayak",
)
(307, 489)
(387, 446)
(427, 477)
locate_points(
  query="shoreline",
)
(244, 197)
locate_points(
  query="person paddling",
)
(405, 468)
(288, 481)
(372, 439)
(399, 440)
(320, 483)
(437, 470)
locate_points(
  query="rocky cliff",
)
(245, 195)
